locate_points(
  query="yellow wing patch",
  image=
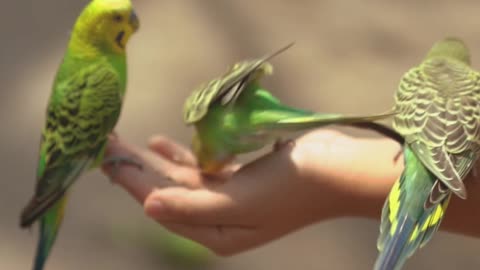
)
(431, 221)
(395, 205)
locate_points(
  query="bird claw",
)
(113, 135)
(397, 156)
(280, 144)
(474, 173)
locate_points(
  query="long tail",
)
(406, 224)
(392, 256)
(302, 120)
(318, 120)
(382, 130)
(49, 225)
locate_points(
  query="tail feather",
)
(318, 120)
(393, 256)
(406, 224)
(49, 225)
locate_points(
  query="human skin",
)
(323, 175)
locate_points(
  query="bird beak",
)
(134, 22)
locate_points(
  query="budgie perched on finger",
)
(83, 109)
(234, 114)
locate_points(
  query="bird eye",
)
(117, 18)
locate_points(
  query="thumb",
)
(192, 206)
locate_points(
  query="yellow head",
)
(105, 25)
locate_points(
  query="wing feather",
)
(439, 115)
(82, 112)
(227, 87)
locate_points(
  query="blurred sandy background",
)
(348, 57)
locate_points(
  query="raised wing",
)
(227, 87)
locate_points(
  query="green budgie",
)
(83, 109)
(233, 114)
(439, 117)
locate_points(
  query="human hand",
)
(325, 174)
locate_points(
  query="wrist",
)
(372, 176)
(346, 176)
(320, 171)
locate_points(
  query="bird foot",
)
(216, 178)
(113, 135)
(116, 162)
(280, 144)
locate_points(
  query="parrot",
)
(438, 114)
(83, 108)
(234, 114)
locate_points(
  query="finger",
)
(230, 202)
(172, 150)
(199, 207)
(223, 240)
(139, 183)
(164, 168)
(177, 153)
(180, 164)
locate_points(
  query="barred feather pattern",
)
(438, 114)
(82, 111)
(438, 105)
(228, 87)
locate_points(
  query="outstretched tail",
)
(320, 120)
(49, 225)
(406, 224)
(382, 130)
(393, 257)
